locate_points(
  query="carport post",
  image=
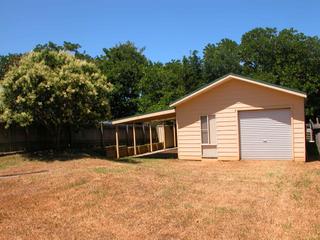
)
(117, 141)
(174, 134)
(134, 140)
(164, 136)
(150, 136)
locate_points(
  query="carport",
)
(160, 118)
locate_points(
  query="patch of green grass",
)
(104, 170)
(188, 206)
(10, 161)
(303, 182)
(287, 226)
(317, 172)
(317, 227)
(77, 183)
(173, 190)
(280, 185)
(100, 170)
(209, 220)
(270, 174)
(296, 195)
(100, 193)
(224, 210)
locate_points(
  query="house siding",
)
(225, 101)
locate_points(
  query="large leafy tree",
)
(192, 71)
(160, 85)
(220, 59)
(8, 61)
(54, 89)
(72, 48)
(288, 58)
(124, 67)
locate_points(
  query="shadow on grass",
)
(141, 159)
(131, 160)
(67, 155)
(160, 156)
(74, 155)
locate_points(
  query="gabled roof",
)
(230, 76)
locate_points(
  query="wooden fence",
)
(38, 138)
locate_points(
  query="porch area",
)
(158, 130)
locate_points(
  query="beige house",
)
(235, 118)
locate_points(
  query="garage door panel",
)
(266, 134)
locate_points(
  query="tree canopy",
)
(286, 57)
(123, 65)
(54, 89)
(8, 61)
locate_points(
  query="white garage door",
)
(266, 134)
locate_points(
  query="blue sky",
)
(168, 29)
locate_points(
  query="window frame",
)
(208, 130)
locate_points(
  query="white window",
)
(204, 130)
(208, 130)
(208, 136)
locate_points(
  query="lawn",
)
(85, 197)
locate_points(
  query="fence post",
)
(101, 135)
(174, 134)
(134, 140)
(117, 142)
(164, 136)
(150, 137)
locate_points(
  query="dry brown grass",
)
(92, 198)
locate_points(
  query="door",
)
(266, 134)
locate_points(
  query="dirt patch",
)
(92, 198)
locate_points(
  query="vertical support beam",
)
(311, 134)
(134, 140)
(174, 134)
(101, 135)
(144, 134)
(117, 142)
(127, 135)
(164, 136)
(150, 137)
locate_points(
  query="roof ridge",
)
(236, 76)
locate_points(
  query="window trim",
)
(208, 130)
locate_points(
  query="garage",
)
(266, 134)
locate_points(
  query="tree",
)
(123, 65)
(160, 85)
(8, 61)
(192, 71)
(287, 58)
(72, 48)
(220, 59)
(257, 50)
(54, 89)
